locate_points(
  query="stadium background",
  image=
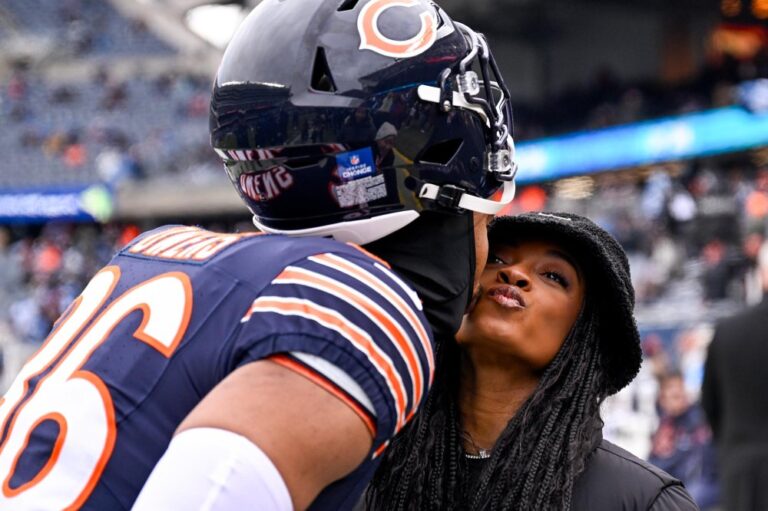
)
(649, 116)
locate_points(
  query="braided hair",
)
(535, 460)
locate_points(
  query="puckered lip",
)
(507, 296)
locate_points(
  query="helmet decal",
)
(372, 39)
(265, 186)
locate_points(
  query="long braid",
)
(536, 460)
(537, 457)
(590, 433)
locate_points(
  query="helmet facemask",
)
(490, 99)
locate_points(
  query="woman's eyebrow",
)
(568, 259)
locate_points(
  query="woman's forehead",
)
(543, 245)
(539, 242)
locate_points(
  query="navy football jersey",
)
(170, 317)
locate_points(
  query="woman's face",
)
(531, 294)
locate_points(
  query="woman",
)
(512, 421)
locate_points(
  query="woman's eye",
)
(494, 259)
(553, 275)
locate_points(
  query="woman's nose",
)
(512, 275)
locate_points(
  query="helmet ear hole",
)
(442, 152)
(347, 5)
(322, 79)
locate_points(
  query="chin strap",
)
(453, 197)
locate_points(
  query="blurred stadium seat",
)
(90, 27)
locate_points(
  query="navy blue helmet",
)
(348, 118)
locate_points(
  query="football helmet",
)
(349, 118)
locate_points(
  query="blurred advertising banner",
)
(83, 204)
(718, 131)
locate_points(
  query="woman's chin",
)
(483, 338)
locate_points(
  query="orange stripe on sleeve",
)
(295, 275)
(323, 382)
(357, 337)
(347, 267)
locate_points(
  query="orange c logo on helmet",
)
(372, 39)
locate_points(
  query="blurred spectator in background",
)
(756, 201)
(10, 273)
(717, 270)
(682, 442)
(358, 126)
(655, 355)
(735, 398)
(40, 273)
(750, 271)
(385, 142)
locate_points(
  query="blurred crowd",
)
(90, 125)
(104, 130)
(42, 271)
(82, 28)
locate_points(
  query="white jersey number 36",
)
(77, 399)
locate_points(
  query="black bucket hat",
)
(607, 272)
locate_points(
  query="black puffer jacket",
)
(615, 480)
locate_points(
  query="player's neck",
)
(434, 254)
